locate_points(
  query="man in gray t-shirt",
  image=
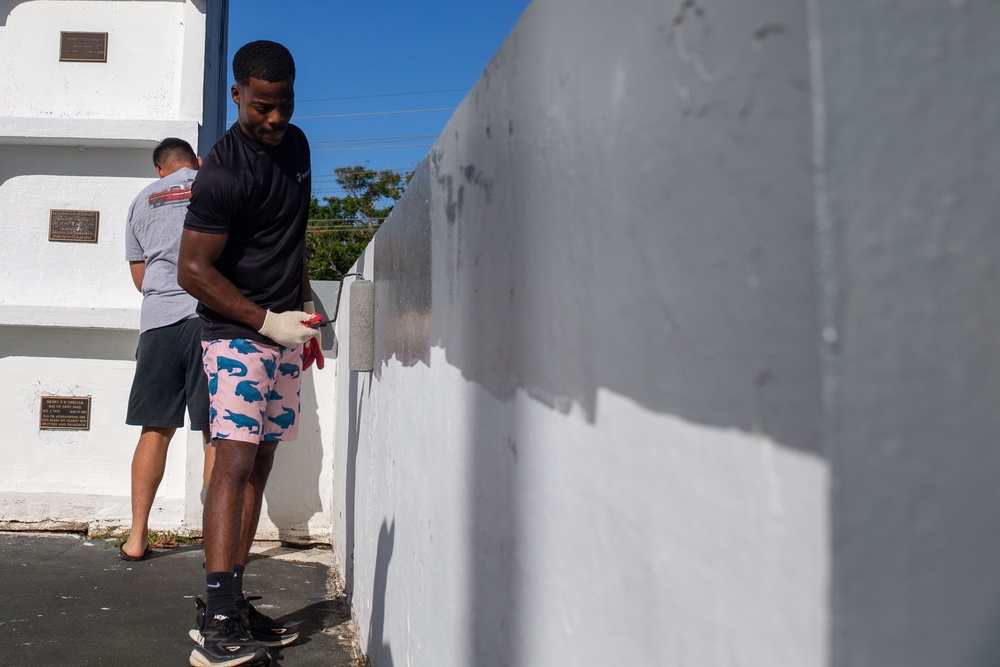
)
(152, 240)
(169, 374)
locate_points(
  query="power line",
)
(337, 141)
(367, 148)
(368, 97)
(374, 113)
(343, 220)
(366, 172)
(325, 230)
(342, 224)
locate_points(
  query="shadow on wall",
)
(107, 344)
(71, 161)
(569, 261)
(552, 254)
(354, 393)
(493, 586)
(378, 652)
(292, 492)
(350, 481)
(403, 284)
(325, 300)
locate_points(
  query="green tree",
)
(341, 227)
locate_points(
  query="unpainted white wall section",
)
(80, 136)
(151, 47)
(37, 179)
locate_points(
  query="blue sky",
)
(372, 57)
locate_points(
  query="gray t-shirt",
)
(155, 223)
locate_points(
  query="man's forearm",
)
(138, 272)
(206, 284)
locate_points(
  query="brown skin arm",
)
(138, 271)
(196, 273)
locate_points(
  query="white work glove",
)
(287, 329)
(310, 307)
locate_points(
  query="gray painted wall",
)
(909, 158)
(688, 322)
(689, 187)
(593, 434)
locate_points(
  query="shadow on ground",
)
(72, 600)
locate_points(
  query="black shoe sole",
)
(195, 635)
(199, 659)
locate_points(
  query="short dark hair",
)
(173, 149)
(264, 60)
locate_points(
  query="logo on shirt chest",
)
(301, 176)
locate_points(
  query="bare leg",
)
(148, 464)
(253, 498)
(206, 475)
(234, 462)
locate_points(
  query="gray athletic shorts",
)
(169, 375)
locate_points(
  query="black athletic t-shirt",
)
(259, 196)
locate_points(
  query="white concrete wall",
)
(34, 180)
(80, 136)
(153, 70)
(81, 479)
(593, 434)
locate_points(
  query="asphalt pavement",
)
(70, 600)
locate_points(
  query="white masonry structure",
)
(90, 88)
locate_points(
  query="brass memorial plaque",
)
(76, 226)
(83, 47)
(64, 413)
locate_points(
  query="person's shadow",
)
(311, 620)
(292, 493)
(380, 653)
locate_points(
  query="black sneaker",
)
(199, 620)
(267, 631)
(224, 642)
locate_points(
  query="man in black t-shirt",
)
(243, 257)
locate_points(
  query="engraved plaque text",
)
(64, 413)
(78, 226)
(83, 47)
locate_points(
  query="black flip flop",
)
(125, 556)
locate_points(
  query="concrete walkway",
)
(70, 600)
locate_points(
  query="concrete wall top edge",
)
(94, 132)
